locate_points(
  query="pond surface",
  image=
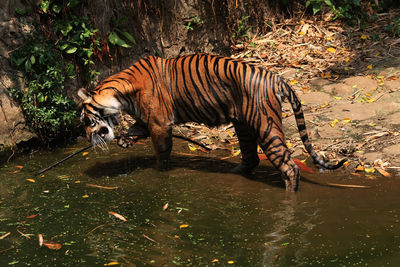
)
(213, 218)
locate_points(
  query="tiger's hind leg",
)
(277, 152)
(248, 149)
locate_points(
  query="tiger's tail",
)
(288, 92)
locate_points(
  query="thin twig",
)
(64, 159)
(99, 226)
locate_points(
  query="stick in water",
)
(91, 145)
(64, 159)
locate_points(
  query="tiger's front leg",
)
(137, 131)
(162, 142)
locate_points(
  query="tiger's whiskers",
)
(98, 141)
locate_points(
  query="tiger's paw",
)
(243, 168)
(126, 141)
(246, 166)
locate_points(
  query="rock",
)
(392, 85)
(392, 150)
(313, 98)
(339, 89)
(362, 83)
(319, 83)
(371, 157)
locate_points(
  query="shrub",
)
(46, 107)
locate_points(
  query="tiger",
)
(203, 88)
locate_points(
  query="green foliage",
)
(48, 6)
(242, 30)
(119, 34)
(70, 43)
(45, 106)
(351, 10)
(192, 22)
(78, 38)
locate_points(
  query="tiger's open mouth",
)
(101, 136)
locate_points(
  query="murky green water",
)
(213, 217)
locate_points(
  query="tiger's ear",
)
(84, 94)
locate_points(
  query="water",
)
(213, 217)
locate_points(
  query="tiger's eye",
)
(86, 121)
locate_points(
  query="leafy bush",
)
(351, 10)
(79, 38)
(44, 104)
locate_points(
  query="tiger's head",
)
(100, 110)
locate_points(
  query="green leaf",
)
(66, 29)
(33, 60)
(19, 61)
(28, 66)
(56, 8)
(19, 11)
(71, 50)
(63, 46)
(316, 8)
(72, 3)
(44, 5)
(128, 36)
(116, 40)
(40, 97)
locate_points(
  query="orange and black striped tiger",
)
(201, 88)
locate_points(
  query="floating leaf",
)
(346, 120)
(85, 196)
(183, 226)
(40, 240)
(52, 245)
(19, 166)
(101, 187)
(230, 262)
(5, 235)
(111, 263)
(85, 153)
(31, 180)
(119, 216)
(31, 216)
(214, 261)
(165, 206)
